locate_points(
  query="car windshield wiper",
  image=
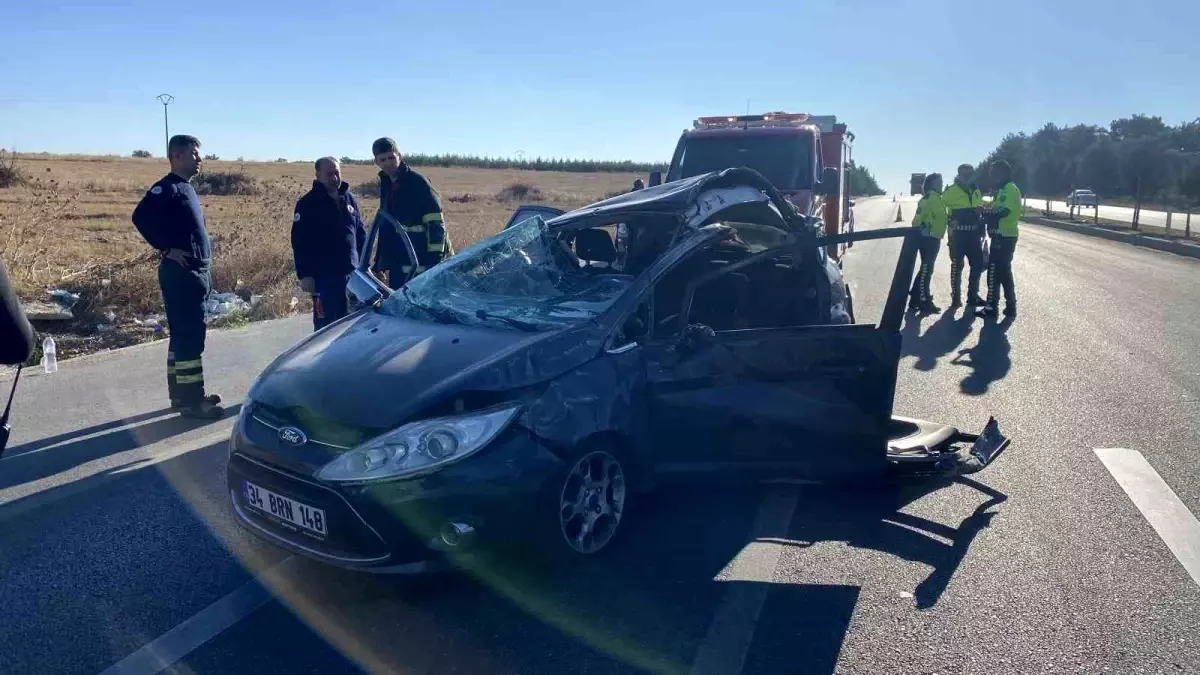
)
(515, 323)
(441, 315)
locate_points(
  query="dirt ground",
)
(68, 227)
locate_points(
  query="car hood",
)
(374, 371)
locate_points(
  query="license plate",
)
(288, 510)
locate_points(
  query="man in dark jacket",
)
(327, 235)
(171, 219)
(408, 198)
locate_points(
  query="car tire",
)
(586, 506)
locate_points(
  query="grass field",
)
(68, 226)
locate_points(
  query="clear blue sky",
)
(924, 85)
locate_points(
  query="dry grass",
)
(69, 227)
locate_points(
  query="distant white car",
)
(1082, 198)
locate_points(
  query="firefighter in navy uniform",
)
(327, 234)
(171, 219)
(407, 197)
(963, 201)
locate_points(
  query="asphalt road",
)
(117, 547)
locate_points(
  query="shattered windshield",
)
(525, 278)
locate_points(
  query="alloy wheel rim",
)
(592, 502)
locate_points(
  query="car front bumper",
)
(401, 526)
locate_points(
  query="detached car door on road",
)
(751, 386)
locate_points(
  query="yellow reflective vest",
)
(931, 215)
(1009, 197)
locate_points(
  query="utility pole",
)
(165, 100)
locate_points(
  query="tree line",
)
(859, 178)
(860, 181)
(1138, 158)
(534, 164)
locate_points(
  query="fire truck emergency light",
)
(757, 120)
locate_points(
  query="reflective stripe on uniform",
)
(436, 247)
(414, 228)
(187, 365)
(435, 217)
(190, 379)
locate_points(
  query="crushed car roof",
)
(672, 197)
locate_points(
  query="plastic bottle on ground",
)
(49, 356)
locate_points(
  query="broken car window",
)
(524, 278)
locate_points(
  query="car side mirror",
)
(634, 328)
(655, 178)
(829, 181)
(365, 289)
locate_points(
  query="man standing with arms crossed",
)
(171, 219)
(966, 235)
(1005, 212)
(408, 201)
(327, 236)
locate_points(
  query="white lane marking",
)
(1158, 503)
(731, 632)
(168, 648)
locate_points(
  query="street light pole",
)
(165, 100)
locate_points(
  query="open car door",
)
(530, 210)
(795, 401)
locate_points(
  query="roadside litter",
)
(59, 309)
(224, 304)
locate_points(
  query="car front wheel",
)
(591, 501)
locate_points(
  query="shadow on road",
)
(642, 606)
(941, 338)
(117, 559)
(875, 521)
(989, 360)
(40, 443)
(39, 459)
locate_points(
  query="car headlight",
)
(419, 447)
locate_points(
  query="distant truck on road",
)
(916, 183)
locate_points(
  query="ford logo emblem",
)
(292, 436)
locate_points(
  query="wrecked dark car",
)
(527, 387)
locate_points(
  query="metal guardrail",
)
(1137, 219)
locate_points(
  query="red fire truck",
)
(804, 156)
